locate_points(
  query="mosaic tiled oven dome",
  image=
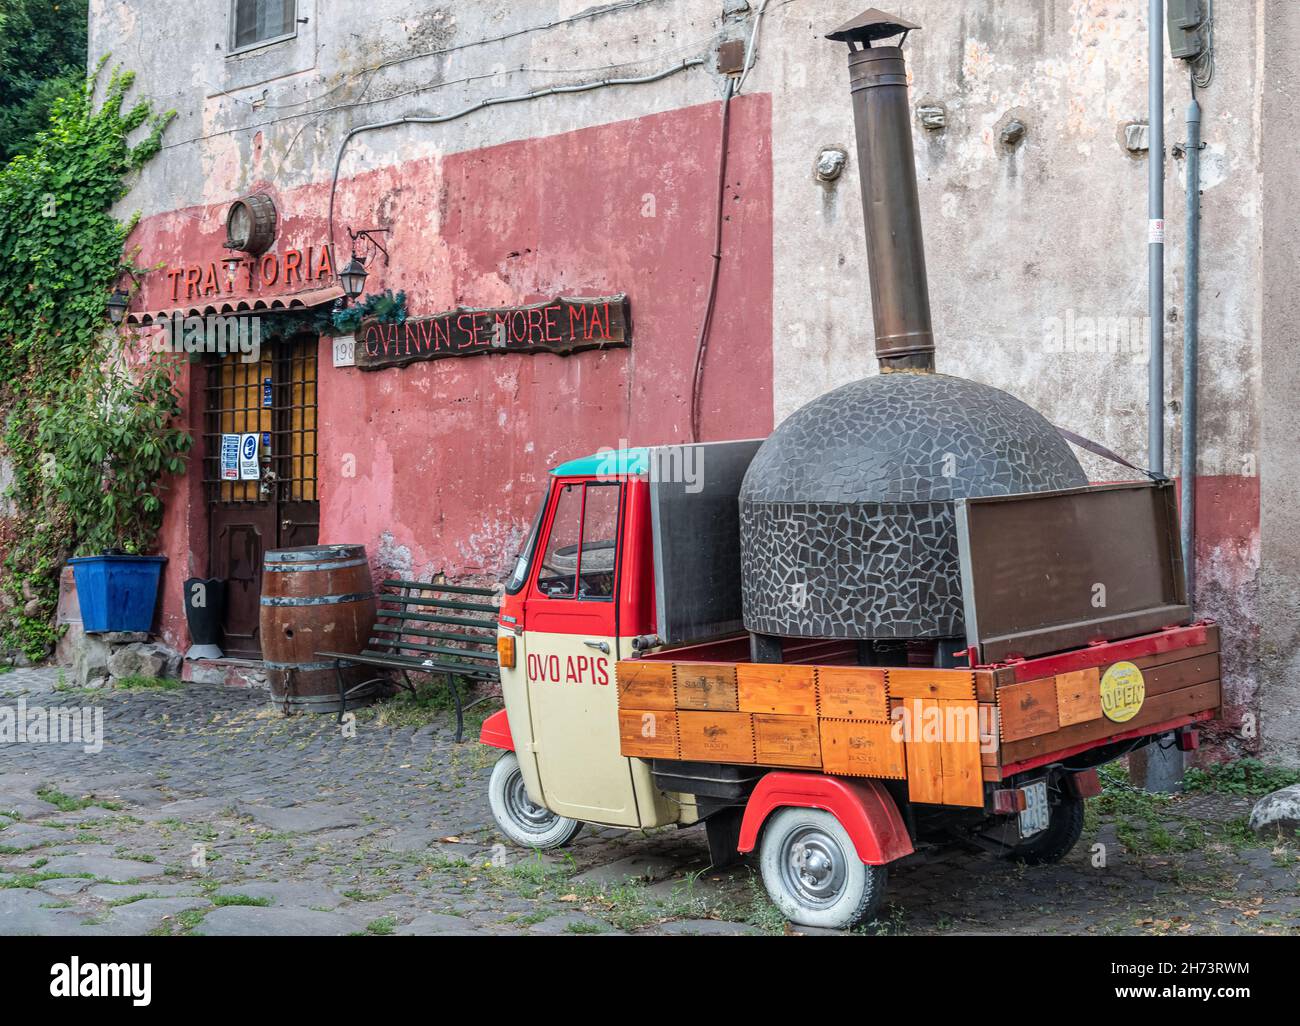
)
(847, 514)
(847, 510)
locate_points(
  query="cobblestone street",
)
(208, 813)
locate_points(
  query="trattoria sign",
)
(562, 327)
(247, 273)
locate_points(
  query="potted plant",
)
(113, 442)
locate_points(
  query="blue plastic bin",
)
(117, 593)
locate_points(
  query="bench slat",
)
(450, 589)
(456, 621)
(397, 662)
(472, 639)
(415, 600)
(398, 647)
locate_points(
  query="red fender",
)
(863, 807)
(495, 732)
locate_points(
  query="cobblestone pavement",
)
(207, 813)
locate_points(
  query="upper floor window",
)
(258, 22)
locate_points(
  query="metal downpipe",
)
(1191, 345)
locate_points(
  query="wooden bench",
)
(422, 627)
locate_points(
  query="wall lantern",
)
(117, 305)
(353, 278)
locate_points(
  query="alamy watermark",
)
(213, 334)
(666, 464)
(1088, 335)
(35, 724)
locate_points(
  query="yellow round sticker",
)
(1123, 691)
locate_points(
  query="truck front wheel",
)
(812, 872)
(527, 824)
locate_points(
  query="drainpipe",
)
(1154, 767)
(1156, 241)
(1191, 344)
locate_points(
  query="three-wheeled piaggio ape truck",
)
(906, 616)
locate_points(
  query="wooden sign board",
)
(561, 327)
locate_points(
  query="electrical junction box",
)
(1188, 29)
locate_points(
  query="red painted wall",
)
(437, 467)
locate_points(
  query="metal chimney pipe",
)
(900, 294)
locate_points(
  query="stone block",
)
(137, 660)
(1277, 813)
(89, 659)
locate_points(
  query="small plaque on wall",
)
(345, 351)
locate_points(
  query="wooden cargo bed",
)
(946, 732)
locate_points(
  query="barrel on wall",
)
(315, 599)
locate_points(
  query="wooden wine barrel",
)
(315, 599)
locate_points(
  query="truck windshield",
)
(519, 577)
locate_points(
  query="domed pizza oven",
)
(847, 512)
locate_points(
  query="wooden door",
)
(274, 401)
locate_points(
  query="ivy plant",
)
(113, 442)
(66, 392)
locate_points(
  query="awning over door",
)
(232, 306)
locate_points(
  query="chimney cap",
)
(871, 25)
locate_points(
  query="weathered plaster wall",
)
(1034, 250)
(1279, 712)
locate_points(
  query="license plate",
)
(1037, 814)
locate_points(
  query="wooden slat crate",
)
(944, 766)
(645, 685)
(782, 689)
(851, 693)
(859, 748)
(1078, 696)
(935, 684)
(648, 733)
(1028, 709)
(707, 736)
(707, 686)
(787, 741)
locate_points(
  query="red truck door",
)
(570, 648)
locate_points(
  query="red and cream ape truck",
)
(632, 699)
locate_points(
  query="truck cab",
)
(581, 592)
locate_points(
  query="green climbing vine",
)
(89, 422)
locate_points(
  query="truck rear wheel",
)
(1064, 829)
(524, 822)
(812, 872)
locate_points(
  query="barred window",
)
(255, 22)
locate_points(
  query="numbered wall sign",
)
(345, 351)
